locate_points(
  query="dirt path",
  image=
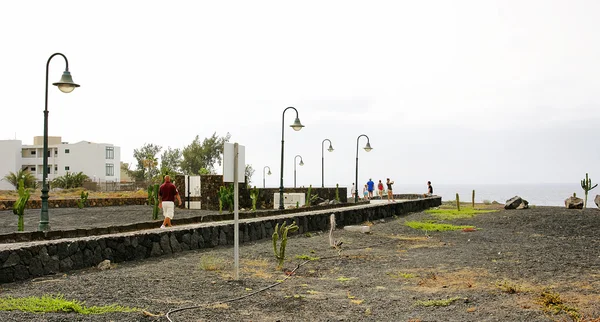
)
(384, 276)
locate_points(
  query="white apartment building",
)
(99, 161)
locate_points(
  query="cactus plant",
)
(586, 185)
(281, 232)
(337, 192)
(254, 196)
(308, 194)
(457, 202)
(82, 201)
(150, 194)
(473, 199)
(225, 198)
(155, 201)
(19, 206)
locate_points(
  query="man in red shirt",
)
(166, 200)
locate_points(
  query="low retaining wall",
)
(72, 203)
(24, 261)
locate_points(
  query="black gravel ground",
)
(380, 276)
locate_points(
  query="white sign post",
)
(234, 165)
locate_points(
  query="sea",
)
(539, 194)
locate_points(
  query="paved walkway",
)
(12, 246)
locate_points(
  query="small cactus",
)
(19, 206)
(308, 194)
(82, 201)
(281, 232)
(337, 192)
(457, 202)
(473, 200)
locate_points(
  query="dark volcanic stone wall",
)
(29, 261)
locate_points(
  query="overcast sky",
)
(448, 91)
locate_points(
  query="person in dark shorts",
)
(429, 190)
(166, 201)
(370, 187)
(390, 193)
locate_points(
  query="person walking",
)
(365, 192)
(166, 201)
(390, 193)
(380, 189)
(353, 191)
(370, 187)
(429, 190)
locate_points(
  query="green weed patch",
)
(57, 303)
(450, 214)
(430, 226)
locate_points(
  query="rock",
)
(513, 202)
(13, 259)
(104, 265)
(597, 201)
(525, 204)
(324, 203)
(574, 203)
(360, 229)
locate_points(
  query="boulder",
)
(104, 265)
(525, 204)
(574, 203)
(513, 202)
(597, 201)
(360, 229)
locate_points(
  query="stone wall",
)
(24, 261)
(71, 203)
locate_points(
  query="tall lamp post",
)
(297, 126)
(367, 148)
(330, 149)
(65, 85)
(301, 164)
(269, 173)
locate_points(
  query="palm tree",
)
(69, 180)
(28, 179)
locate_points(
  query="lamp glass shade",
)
(330, 149)
(269, 173)
(301, 162)
(368, 147)
(66, 84)
(297, 126)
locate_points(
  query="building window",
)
(32, 169)
(110, 169)
(67, 168)
(33, 152)
(55, 169)
(55, 152)
(67, 151)
(110, 152)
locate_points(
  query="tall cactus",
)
(337, 192)
(473, 199)
(586, 185)
(155, 201)
(254, 197)
(308, 196)
(281, 232)
(19, 206)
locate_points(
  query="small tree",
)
(28, 179)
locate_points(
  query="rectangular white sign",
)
(228, 163)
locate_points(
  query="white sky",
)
(448, 91)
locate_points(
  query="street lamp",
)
(330, 149)
(297, 126)
(367, 148)
(301, 164)
(264, 174)
(65, 85)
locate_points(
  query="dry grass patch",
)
(431, 282)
